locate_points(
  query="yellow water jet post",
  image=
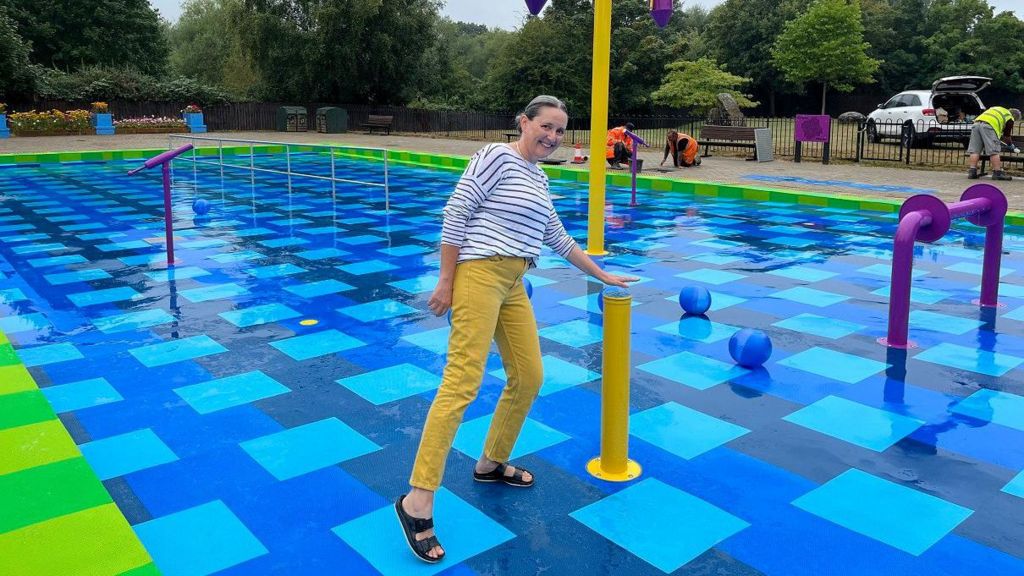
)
(614, 464)
(599, 124)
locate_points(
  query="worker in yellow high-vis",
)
(991, 129)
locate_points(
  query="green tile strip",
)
(456, 163)
(56, 517)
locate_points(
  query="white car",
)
(920, 117)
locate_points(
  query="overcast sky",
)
(508, 14)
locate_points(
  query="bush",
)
(106, 83)
(50, 123)
(149, 125)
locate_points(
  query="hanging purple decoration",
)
(661, 11)
(535, 6)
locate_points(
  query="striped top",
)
(502, 207)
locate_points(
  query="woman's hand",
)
(441, 300)
(617, 280)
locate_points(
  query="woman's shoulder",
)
(495, 150)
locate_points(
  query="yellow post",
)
(599, 124)
(614, 464)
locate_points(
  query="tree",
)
(15, 71)
(205, 45)
(826, 44)
(70, 34)
(696, 85)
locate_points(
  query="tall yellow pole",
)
(614, 464)
(599, 124)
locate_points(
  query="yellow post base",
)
(632, 471)
(596, 252)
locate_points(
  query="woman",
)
(494, 225)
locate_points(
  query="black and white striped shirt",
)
(502, 207)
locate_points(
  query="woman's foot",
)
(415, 512)
(490, 471)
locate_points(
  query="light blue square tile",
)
(1015, 486)
(795, 242)
(239, 256)
(304, 449)
(901, 517)
(810, 296)
(416, 285)
(126, 453)
(79, 395)
(317, 344)
(275, 271)
(214, 292)
(710, 276)
(126, 245)
(534, 436)
(698, 328)
(917, 295)
(261, 314)
(558, 375)
(202, 540)
(86, 275)
(322, 230)
(435, 340)
(935, 322)
(319, 288)
(230, 391)
(682, 431)
(588, 303)
(23, 323)
(176, 350)
(993, 406)
(835, 365)
(377, 310)
(322, 254)
(57, 261)
(855, 423)
(176, 274)
(132, 321)
(48, 354)
(204, 243)
(629, 260)
(360, 240)
(716, 259)
(971, 359)
(832, 328)
(94, 297)
(662, 525)
(283, 242)
(577, 333)
(693, 370)
(378, 538)
(805, 273)
(407, 250)
(976, 269)
(157, 258)
(367, 267)
(885, 271)
(11, 295)
(391, 383)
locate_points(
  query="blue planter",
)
(194, 121)
(4, 131)
(104, 124)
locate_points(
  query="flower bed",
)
(149, 125)
(51, 123)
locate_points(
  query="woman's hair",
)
(534, 107)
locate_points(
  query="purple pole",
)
(636, 142)
(168, 224)
(535, 6)
(661, 11)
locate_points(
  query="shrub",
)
(52, 122)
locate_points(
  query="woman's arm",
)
(586, 264)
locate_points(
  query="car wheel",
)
(909, 136)
(873, 135)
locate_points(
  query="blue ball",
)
(750, 348)
(694, 299)
(200, 207)
(528, 286)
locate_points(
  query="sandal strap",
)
(421, 524)
(427, 544)
(517, 473)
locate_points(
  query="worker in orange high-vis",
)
(618, 145)
(682, 148)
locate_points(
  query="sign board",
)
(763, 145)
(812, 128)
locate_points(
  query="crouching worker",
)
(682, 148)
(618, 145)
(989, 128)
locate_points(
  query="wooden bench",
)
(510, 136)
(736, 136)
(378, 122)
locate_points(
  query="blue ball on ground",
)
(201, 207)
(750, 347)
(694, 299)
(528, 286)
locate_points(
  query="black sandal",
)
(413, 526)
(498, 475)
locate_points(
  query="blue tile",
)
(558, 375)
(976, 269)
(283, 242)
(176, 350)
(832, 328)
(993, 406)
(629, 260)
(693, 370)
(835, 365)
(94, 297)
(201, 540)
(262, 314)
(57, 261)
(322, 254)
(710, 276)
(37, 248)
(82, 394)
(662, 525)
(49, 354)
(230, 391)
(971, 359)
(76, 276)
(534, 436)
(205, 243)
(360, 240)
(378, 538)
(885, 271)
(698, 328)
(935, 322)
(377, 310)
(918, 295)
(317, 344)
(126, 453)
(131, 321)
(319, 288)
(717, 259)
(240, 256)
(367, 267)
(416, 285)
(408, 250)
(434, 340)
(275, 271)
(213, 292)
(391, 383)
(792, 241)
(901, 517)
(303, 449)
(157, 258)
(577, 333)
(176, 274)
(11, 295)
(682, 431)
(805, 273)
(855, 423)
(810, 296)
(127, 245)
(23, 323)
(1015, 486)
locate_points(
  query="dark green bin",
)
(331, 120)
(291, 119)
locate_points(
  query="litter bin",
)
(331, 120)
(291, 119)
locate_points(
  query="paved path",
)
(846, 179)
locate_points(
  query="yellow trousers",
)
(489, 303)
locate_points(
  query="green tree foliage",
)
(826, 45)
(696, 85)
(70, 34)
(457, 63)
(206, 45)
(15, 75)
(108, 83)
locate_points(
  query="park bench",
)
(378, 122)
(736, 136)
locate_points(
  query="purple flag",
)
(661, 11)
(535, 6)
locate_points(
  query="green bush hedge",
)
(105, 83)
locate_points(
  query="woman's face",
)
(542, 135)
